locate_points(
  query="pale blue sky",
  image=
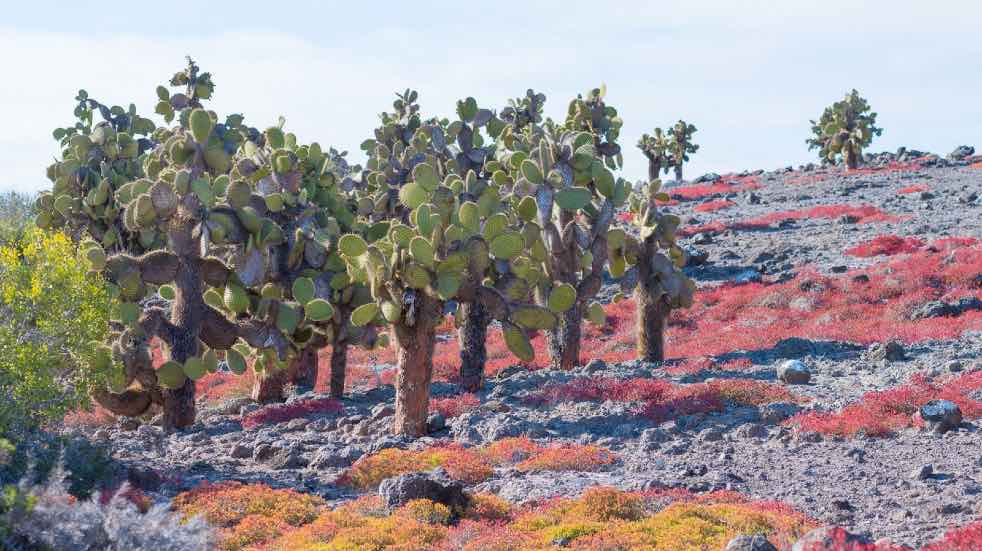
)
(748, 74)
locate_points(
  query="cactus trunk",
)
(652, 313)
(416, 336)
(339, 363)
(472, 337)
(852, 159)
(564, 341)
(678, 172)
(187, 316)
(270, 386)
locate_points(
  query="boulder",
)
(940, 416)
(961, 153)
(755, 542)
(890, 351)
(435, 486)
(794, 372)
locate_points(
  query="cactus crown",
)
(680, 142)
(845, 128)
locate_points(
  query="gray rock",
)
(329, 457)
(287, 458)
(940, 416)
(924, 472)
(755, 542)
(382, 411)
(241, 450)
(436, 422)
(829, 537)
(961, 152)
(794, 372)
(890, 351)
(595, 365)
(773, 414)
(435, 486)
(263, 452)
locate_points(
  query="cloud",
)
(748, 74)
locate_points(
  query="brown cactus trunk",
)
(472, 337)
(564, 341)
(416, 337)
(339, 364)
(652, 313)
(187, 315)
(654, 167)
(852, 159)
(270, 386)
(678, 172)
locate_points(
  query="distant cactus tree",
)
(680, 145)
(563, 175)
(844, 130)
(657, 259)
(657, 149)
(210, 232)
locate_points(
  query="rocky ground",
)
(909, 487)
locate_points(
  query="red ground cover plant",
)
(882, 413)
(279, 413)
(713, 206)
(916, 188)
(726, 184)
(864, 214)
(453, 406)
(886, 245)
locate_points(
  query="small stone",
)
(382, 411)
(940, 416)
(263, 452)
(246, 409)
(102, 434)
(773, 414)
(287, 458)
(924, 473)
(890, 351)
(297, 424)
(128, 423)
(954, 366)
(496, 406)
(794, 372)
(241, 451)
(595, 365)
(436, 422)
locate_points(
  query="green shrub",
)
(50, 310)
(16, 216)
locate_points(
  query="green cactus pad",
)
(527, 209)
(194, 368)
(235, 299)
(507, 246)
(167, 292)
(171, 375)
(236, 362)
(425, 177)
(470, 216)
(287, 318)
(391, 311)
(534, 317)
(352, 245)
(364, 314)
(214, 299)
(518, 343)
(275, 137)
(573, 198)
(416, 276)
(238, 193)
(595, 313)
(303, 290)
(318, 309)
(562, 297)
(210, 359)
(530, 170)
(422, 251)
(413, 195)
(201, 125)
(448, 284)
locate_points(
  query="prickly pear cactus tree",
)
(561, 178)
(654, 255)
(657, 149)
(680, 145)
(844, 130)
(197, 227)
(433, 232)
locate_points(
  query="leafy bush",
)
(16, 212)
(51, 310)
